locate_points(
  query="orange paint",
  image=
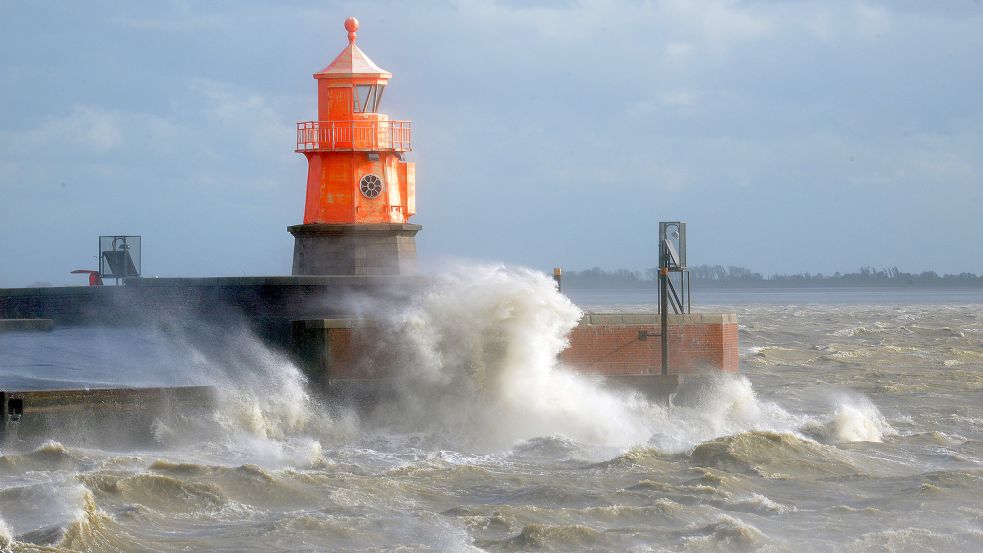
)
(356, 172)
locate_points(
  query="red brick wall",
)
(358, 353)
(615, 348)
(601, 344)
(341, 353)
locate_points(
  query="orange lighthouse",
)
(361, 191)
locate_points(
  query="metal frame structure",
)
(120, 257)
(672, 259)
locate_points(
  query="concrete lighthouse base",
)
(347, 249)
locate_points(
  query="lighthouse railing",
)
(354, 135)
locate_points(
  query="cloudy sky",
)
(792, 136)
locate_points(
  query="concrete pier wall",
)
(114, 417)
(26, 325)
(267, 305)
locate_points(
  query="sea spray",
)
(92, 529)
(6, 537)
(477, 359)
(265, 412)
(854, 418)
(475, 355)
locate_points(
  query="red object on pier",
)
(94, 278)
(356, 169)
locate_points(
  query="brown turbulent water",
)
(855, 427)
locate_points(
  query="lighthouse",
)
(361, 191)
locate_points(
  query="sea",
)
(855, 424)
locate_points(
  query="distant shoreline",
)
(718, 277)
(780, 285)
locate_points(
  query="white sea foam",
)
(854, 418)
(6, 537)
(478, 359)
(719, 405)
(859, 423)
(264, 412)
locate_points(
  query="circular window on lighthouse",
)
(371, 186)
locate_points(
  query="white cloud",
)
(246, 116)
(716, 24)
(181, 17)
(90, 129)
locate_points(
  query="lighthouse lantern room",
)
(361, 191)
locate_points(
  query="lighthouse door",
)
(340, 115)
(340, 107)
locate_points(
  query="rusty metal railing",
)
(353, 135)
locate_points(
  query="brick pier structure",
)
(609, 344)
(341, 353)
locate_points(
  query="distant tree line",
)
(737, 277)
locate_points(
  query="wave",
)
(648, 458)
(217, 489)
(916, 539)
(758, 503)
(774, 455)
(169, 494)
(855, 419)
(6, 537)
(478, 351)
(936, 332)
(552, 448)
(88, 528)
(50, 456)
(92, 529)
(478, 357)
(544, 537)
(726, 534)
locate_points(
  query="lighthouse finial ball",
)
(351, 25)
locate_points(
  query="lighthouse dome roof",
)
(352, 61)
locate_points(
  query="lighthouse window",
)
(363, 97)
(367, 97)
(370, 186)
(378, 97)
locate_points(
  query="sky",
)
(791, 136)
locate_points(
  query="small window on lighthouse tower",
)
(367, 97)
(378, 97)
(362, 97)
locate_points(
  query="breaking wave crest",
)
(6, 538)
(855, 419)
(727, 534)
(93, 529)
(774, 454)
(478, 359)
(477, 363)
(264, 411)
(540, 536)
